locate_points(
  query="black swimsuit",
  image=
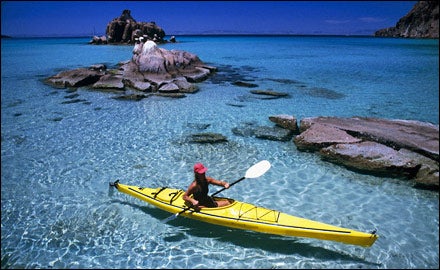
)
(202, 195)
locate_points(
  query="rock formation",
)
(151, 69)
(125, 30)
(421, 22)
(395, 148)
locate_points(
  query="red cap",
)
(199, 168)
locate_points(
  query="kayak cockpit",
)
(218, 199)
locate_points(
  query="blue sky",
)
(79, 18)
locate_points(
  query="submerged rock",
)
(275, 133)
(245, 84)
(246, 129)
(131, 97)
(208, 137)
(269, 94)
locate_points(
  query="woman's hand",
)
(226, 184)
(195, 203)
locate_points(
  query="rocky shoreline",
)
(422, 21)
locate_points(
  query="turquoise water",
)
(58, 157)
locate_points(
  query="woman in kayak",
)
(199, 189)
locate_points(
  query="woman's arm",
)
(217, 182)
(186, 196)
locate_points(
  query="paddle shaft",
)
(230, 185)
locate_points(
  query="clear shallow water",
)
(57, 158)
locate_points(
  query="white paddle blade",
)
(258, 169)
(170, 218)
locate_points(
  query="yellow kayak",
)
(241, 215)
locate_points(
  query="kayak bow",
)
(241, 215)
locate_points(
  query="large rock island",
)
(151, 69)
(125, 30)
(420, 22)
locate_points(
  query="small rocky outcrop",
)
(76, 78)
(395, 148)
(151, 69)
(421, 22)
(319, 136)
(98, 40)
(125, 30)
(285, 121)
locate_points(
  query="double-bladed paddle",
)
(255, 171)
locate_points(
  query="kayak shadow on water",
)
(271, 243)
(246, 239)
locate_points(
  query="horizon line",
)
(189, 34)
